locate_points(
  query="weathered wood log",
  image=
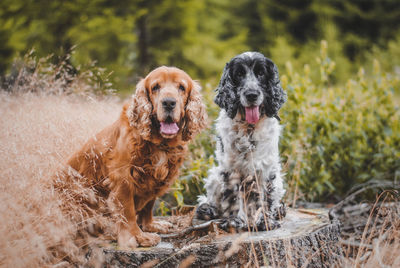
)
(307, 238)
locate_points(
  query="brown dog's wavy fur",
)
(131, 164)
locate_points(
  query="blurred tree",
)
(298, 19)
(364, 23)
(131, 37)
(161, 30)
(101, 29)
(5, 51)
(251, 17)
(106, 34)
(40, 24)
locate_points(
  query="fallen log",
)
(307, 238)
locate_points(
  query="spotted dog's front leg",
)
(207, 212)
(233, 224)
(230, 195)
(272, 209)
(233, 219)
(265, 222)
(280, 212)
(210, 205)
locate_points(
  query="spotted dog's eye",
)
(259, 70)
(181, 87)
(155, 87)
(240, 72)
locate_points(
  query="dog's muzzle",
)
(251, 96)
(168, 104)
(168, 126)
(251, 100)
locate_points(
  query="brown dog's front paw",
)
(162, 227)
(126, 240)
(148, 239)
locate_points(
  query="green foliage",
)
(334, 136)
(338, 136)
(162, 209)
(131, 37)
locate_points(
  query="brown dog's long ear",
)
(195, 114)
(140, 110)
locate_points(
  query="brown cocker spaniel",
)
(136, 159)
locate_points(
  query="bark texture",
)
(307, 238)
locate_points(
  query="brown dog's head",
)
(167, 103)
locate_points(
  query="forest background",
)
(339, 63)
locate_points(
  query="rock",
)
(307, 238)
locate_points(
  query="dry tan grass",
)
(377, 243)
(38, 133)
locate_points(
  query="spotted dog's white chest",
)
(247, 149)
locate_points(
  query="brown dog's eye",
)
(155, 88)
(182, 88)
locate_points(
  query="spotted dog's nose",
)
(252, 96)
(169, 104)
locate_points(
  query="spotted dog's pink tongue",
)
(169, 128)
(252, 114)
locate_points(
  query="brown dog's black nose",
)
(169, 104)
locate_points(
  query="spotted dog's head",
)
(250, 84)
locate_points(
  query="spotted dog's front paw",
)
(206, 212)
(233, 224)
(265, 223)
(280, 212)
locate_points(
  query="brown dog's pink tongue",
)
(252, 114)
(169, 128)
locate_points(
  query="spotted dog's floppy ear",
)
(226, 97)
(139, 111)
(195, 114)
(276, 96)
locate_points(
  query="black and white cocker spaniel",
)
(245, 189)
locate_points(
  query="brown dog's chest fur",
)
(155, 174)
(146, 167)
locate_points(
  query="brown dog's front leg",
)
(129, 233)
(149, 224)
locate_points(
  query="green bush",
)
(338, 136)
(334, 137)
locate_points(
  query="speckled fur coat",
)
(246, 187)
